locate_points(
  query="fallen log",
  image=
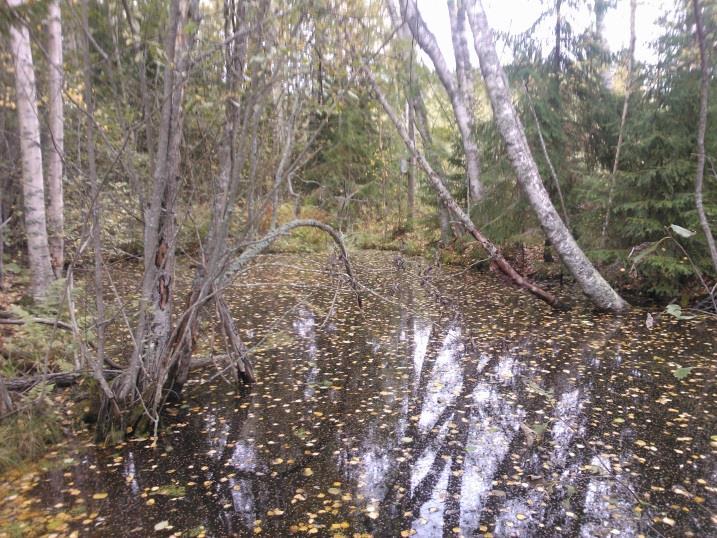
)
(6, 319)
(66, 379)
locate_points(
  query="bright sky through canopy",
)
(516, 16)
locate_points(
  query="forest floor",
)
(449, 405)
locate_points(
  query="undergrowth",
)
(26, 434)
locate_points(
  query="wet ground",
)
(449, 406)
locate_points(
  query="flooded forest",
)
(358, 268)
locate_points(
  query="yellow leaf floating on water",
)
(162, 525)
(307, 471)
(99, 496)
(275, 512)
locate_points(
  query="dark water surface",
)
(450, 406)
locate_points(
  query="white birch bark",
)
(457, 17)
(701, 128)
(447, 199)
(427, 41)
(32, 176)
(590, 280)
(56, 121)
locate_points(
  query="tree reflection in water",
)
(448, 407)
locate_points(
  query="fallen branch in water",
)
(447, 199)
(67, 379)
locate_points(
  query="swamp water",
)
(450, 405)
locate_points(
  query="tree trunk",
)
(623, 119)
(421, 123)
(6, 405)
(511, 129)
(701, 128)
(56, 124)
(141, 386)
(411, 194)
(457, 17)
(427, 41)
(548, 160)
(32, 175)
(95, 201)
(446, 197)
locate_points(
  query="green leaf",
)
(675, 311)
(682, 372)
(682, 232)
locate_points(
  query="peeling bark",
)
(141, 385)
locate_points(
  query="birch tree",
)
(701, 129)
(56, 124)
(32, 174)
(511, 129)
(456, 91)
(446, 198)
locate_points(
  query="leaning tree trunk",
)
(32, 179)
(56, 124)
(421, 124)
(427, 41)
(701, 128)
(511, 129)
(447, 199)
